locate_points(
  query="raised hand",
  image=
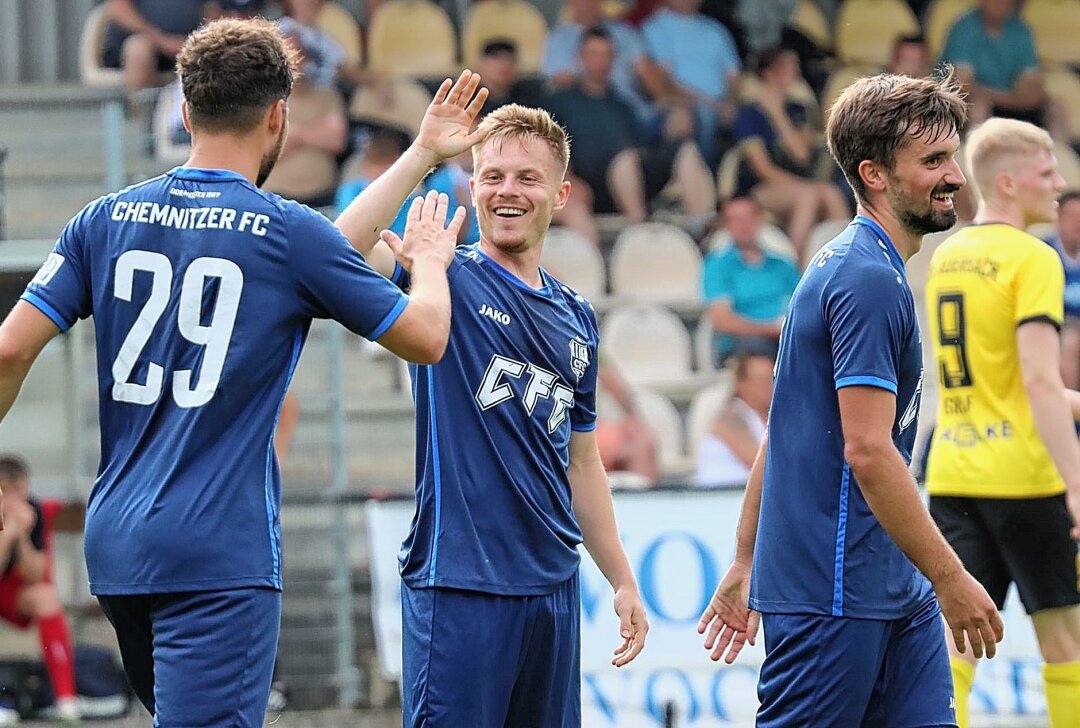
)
(633, 626)
(728, 623)
(426, 231)
(446, 127)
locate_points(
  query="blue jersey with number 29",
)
(202, 288)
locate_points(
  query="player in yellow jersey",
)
(1004, 467)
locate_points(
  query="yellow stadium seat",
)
(867, 29)
(1068, 164)
(411, 38)
(342, 27)
(839, 80)
(408, 102)
(1063, 85)
(811, 22)
(1055, 24)
(940, 16)
(515, 20)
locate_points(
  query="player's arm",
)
(23, 335)
(596, 516)
(728, 619)
(444, 133)
(866, 416)
(1052, 406)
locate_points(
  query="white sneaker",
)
(67, 710)
(8, 716)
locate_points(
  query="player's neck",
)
(524, 265)
(992, 212)
(906, 243)
(224, 152)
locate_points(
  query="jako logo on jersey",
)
(912, 408)
(494, 313)
(48, 269)
(579, 357)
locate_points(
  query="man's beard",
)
(266, 166)
(925, 222)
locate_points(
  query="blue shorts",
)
(838, 672)
(480, 660)
(199, 658)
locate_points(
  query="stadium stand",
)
(867, 29)
(1054, 24)
(574, 260)
(703, 408)
(411, 38)
(655, 262)
(340, 24)
(515, 20)
(940, 15)
(91, 72)
(664, 420)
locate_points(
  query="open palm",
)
(451, 115)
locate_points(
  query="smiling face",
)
(919, 188)
(517, 185)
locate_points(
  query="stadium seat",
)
(574, 260)
(703, 408)
(663, 419)
(410, 101)
(1055, 24)
(867, 29)
(772, 237)
(1063, 85)
(1068, 164)
(703, 344)
(809, 20)
(655, 261)
(727, 173)
(749, 84)
(940, 16)
(342, 26)
(823, 232)
(649, 342)
(411, 38)
(839, 80)
(515, 20)
(91, 72)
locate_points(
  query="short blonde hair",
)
(515, 121)
(999, 143)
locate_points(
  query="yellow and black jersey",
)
(984, 282)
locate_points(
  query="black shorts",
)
(112, 49)
(1024, 541)
(657, 166)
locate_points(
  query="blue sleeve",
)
(62, 288)
(869, 317)
(716, 279)
(655, 44)
(560, 53)
(583, 415)
(334, 281)
(750, 123)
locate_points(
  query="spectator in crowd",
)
(27, 594)
(383, 149)
(307, 170)
(609, 160)
(769, 23)
(727, 450)
(626, 442)
(659, 104)
(498, 66)
(993, 50)
(910, 57)
(700, 55)
(1067, 244)
(143, 37)
(326, 62)
(746, 287)
(782, 160)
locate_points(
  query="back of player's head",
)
(13, 469)
(999, 145)
(233, 70)
(876, 116)
(515, 121)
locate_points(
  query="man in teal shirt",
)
(993, 50)
(747, 288)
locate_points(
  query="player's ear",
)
(277, 116)
(872, 175)
(184, 116)
(563, 195)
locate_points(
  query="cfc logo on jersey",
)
(579, 357)
(48, 269)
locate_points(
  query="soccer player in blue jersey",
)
(835, 550)
(203, 288)
(509, 478)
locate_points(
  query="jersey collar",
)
(197, 174)
(545, 290)
(883, 239)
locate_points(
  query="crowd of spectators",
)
(705, 112)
